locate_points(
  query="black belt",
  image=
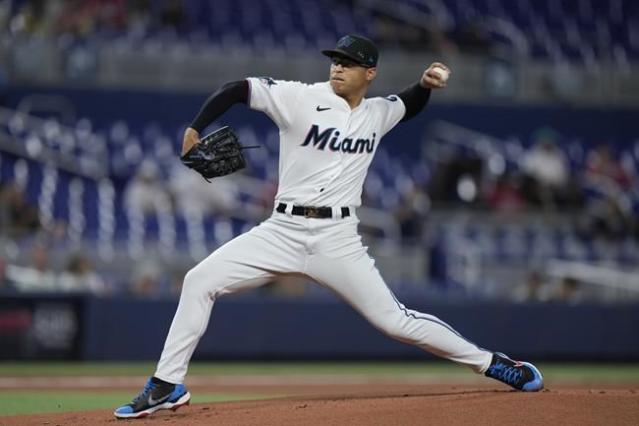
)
(314, 212)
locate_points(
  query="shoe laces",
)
(148, 387)
(506, 373)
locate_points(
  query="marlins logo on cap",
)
(360, 49)
(345, 41)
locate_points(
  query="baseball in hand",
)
(442, 73)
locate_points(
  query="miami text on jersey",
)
(330, 137)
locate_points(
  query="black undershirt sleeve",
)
(415, 98)
(219, 102)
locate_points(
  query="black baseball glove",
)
(218, 154)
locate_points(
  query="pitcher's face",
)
(348, 77)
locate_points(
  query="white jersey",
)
(325, 147)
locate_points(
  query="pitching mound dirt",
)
(389, 405)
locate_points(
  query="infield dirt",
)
(385, 404)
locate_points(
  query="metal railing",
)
(122, 64)
(49, 142)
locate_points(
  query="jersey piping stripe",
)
(443, 324)
(436, 321)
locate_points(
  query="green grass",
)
(613, 372)
(31, 402)
(53, 369)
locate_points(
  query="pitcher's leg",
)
(191, 320)
(357, 280)
(246, 262)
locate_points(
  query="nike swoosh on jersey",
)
(319, 108)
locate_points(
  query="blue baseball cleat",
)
(155, 396)
(520, 375)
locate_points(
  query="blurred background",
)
(510, 207)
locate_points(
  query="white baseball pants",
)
(328, 251)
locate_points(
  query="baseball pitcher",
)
(329, 133)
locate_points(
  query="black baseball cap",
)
(358, 48)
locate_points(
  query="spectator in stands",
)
(146, 279)
(4, 211)
(40, 258)
(534, 289)
(77, 18)
(569, 291)
(17, 216)
(111, 14)
(79, 276)
(31, 18)
(462, 164)
(411, 214)
(609, 212)
(605, 172)
(38, 275)
(288, 286)
(192, 194)
(176, 277)
(173, 15)
(82, 17)
(146, 192)
(547, 181)
(6, 285)
(604, 217)
(505, 196)
(139, 16)
(145, 286)
(5, 12)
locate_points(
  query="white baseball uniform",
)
(325, 151)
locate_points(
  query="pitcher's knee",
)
(193, 282)
(200, 281)
(197, 283)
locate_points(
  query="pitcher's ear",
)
(371, 73)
